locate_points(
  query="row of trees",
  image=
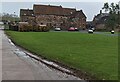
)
(9, 17)
(114, 15)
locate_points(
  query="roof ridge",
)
(53, 6)
(46, 5)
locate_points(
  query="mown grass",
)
(93, 53)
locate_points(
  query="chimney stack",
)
(100, 11)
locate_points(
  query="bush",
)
(15, 27)
(35, 28)
(30, 28)
(24, 26)
(45, 29)
(6, 27)
(39, 28)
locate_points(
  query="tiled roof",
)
(52, 10)
(80, 13)
(101, 18)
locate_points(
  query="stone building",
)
(54, 16)
(99, 20)
(25, 14)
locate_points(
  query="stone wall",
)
(51, 20)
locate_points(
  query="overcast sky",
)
(89, 8)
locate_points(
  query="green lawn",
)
(93, 53)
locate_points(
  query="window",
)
(24, 13)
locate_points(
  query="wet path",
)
(17, 66)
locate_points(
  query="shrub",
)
(23, 26)
(35, 28)
(30, 28)
(45, 28)
(39, 28)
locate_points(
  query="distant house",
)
(54, 16)
(89, 24)
(99, 20)
(25, 14)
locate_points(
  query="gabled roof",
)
(78, 13)
(99, 16)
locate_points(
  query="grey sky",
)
(89, 8)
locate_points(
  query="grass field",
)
(93, 53)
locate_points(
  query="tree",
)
(111, 22)
(106, 7)
(9, 17)
(113, 10)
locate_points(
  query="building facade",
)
(54, 16)
(99, 20)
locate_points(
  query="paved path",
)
(22, 68)
(0, 56)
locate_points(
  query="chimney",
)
(100, 11)
(60, 6)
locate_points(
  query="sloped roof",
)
(78, 13)
(51, 10)
(101, 18)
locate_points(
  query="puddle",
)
(20, 53)
(11, 42)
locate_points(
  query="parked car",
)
(93, 29)
(71, 29)
(112, 31)
(90, 31)
(76, 29)
(57, 29)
